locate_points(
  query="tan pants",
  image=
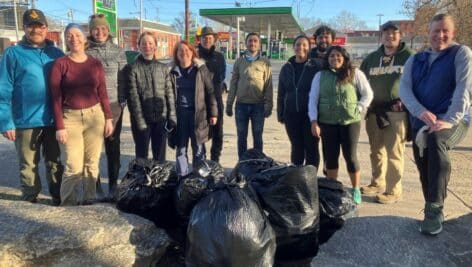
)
(82, 150)
(387, 150)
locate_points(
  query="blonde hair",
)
(146, 33)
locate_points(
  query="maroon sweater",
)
(77, 86)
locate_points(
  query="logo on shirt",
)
(385, 70)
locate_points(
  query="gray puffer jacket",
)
(151, 96)
(113, 60)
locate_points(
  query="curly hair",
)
(345, 74)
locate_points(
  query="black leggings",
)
(345, 136)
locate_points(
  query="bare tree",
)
(461, 10)
(421, 11)
(308, 23)
(179, 22)
(347, 21)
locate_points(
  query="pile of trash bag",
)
(263, 213)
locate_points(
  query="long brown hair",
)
(176, 50)
(345, 74)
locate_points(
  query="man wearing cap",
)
(26, 116)
(436, 87)
(216, 64)
(113, 60)
(387, 119)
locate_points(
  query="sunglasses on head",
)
(97, 16)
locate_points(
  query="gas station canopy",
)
(257, 19)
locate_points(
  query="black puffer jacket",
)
(205, 101)
(293, 95)
(151, 97)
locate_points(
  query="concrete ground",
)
(276, 145)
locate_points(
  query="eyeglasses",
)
(97, 16)
(36, 27)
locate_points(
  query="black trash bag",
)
(252, 162)
(336, 206)
(173, 257)
(207, 175)
(147, 190)
(290, 196)
(229, 228)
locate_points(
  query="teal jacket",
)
(25, 100)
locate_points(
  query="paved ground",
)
(276, 145)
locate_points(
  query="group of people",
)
(424, 97)
(69, 105)
(53, 103)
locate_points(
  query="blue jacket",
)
(434, 84)
(24, 95)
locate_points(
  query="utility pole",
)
(70, 15)
(33, 3)
(140, 16)
(380, 30)
(187, 20)
(16, 19)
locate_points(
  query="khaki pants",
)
(29, 144)
(82, 150)
(387, 150)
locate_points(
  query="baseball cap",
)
(32, 16)
(390, 25)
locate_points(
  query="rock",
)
(396, 241)
(96, 235)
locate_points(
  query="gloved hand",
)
(229, 110)
(267, 111)
(170, 125)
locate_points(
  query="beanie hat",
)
(98, 20)
(74, 25)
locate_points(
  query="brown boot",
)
(371, 190)
(388, 198)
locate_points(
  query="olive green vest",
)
(338, 102)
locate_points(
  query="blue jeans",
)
(244, 113)
(186, 131)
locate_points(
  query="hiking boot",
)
(87, 202)
(433, 219)
(371, 190)
(356, 195)
(55, 201)
(388, 198)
